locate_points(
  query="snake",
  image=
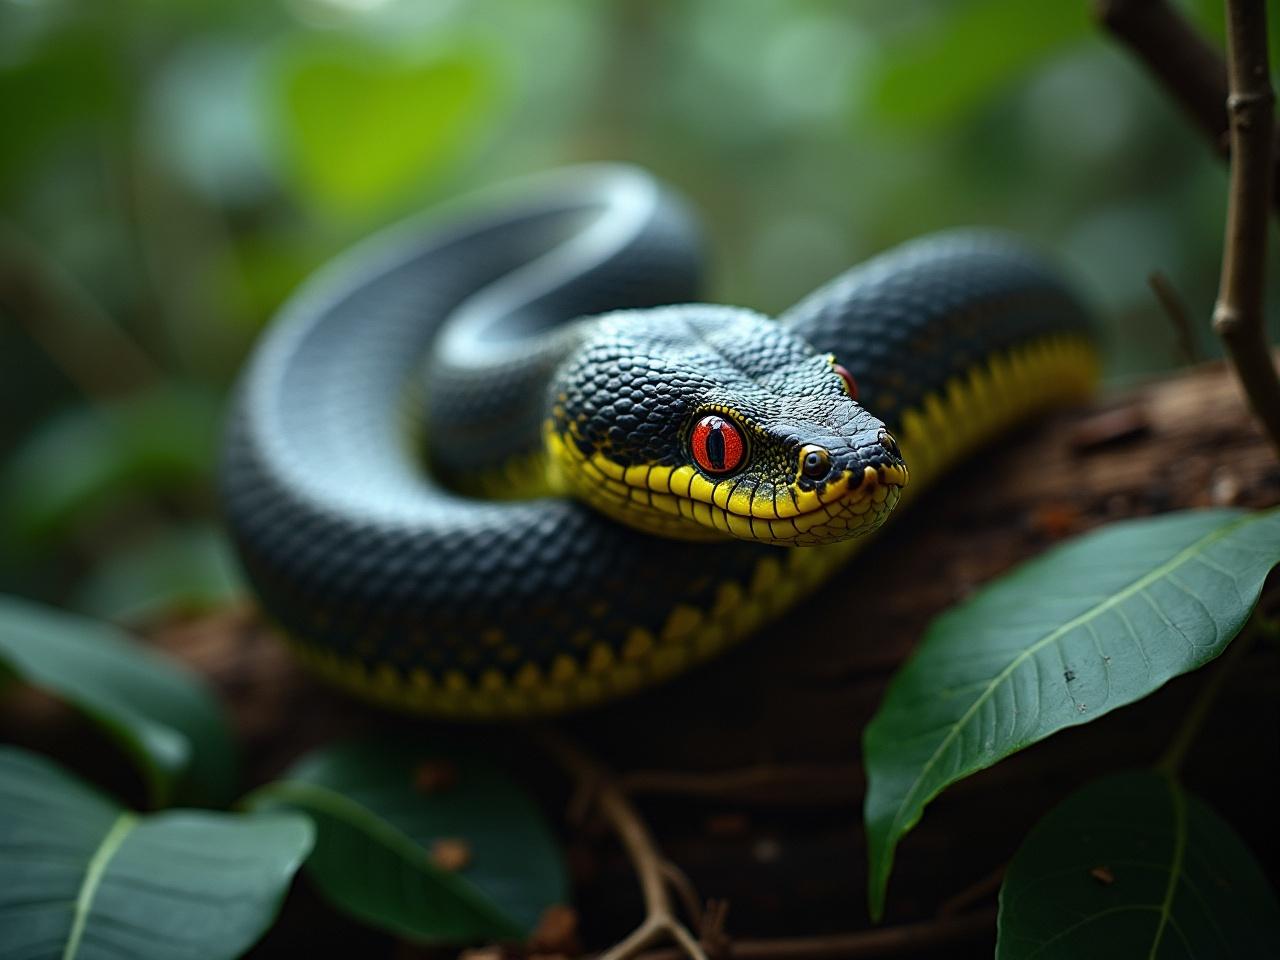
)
(499, 461)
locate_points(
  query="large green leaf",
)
(382, 808)
(77, 462)
(83, 879)
(970, 51)
(363, 124)
(182, 568)
(160, 714)
(1132, 866)
(1093, 625)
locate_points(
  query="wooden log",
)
(749, 769)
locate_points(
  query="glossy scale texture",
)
(401, 588)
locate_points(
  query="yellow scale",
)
(969, 412)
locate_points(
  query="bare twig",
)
(976, 891)
(884, 942)
(679, 881)
(660, 921)
(1186, 64)
(711, 930)
(1238, 316)
(1176, 310)
(1180, 57)
(1232, 103)
(86, 345)
(764, 784)
(1208, 694)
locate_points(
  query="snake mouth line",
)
(841, 510)
(738, 498)
(852, 503)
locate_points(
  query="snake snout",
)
(890, 446)
(880, 463)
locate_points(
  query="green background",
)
(170, 169)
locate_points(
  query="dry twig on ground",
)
(660, 920)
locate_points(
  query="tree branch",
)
(1182, 60)
(1238, 316)
(781, 784)
(1176, 310)
(910, 938)
(76, 334)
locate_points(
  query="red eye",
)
(717, 444)
(847, 377)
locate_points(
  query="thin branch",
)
(684, 889)
(1238, 316)
(1189, 729)
(763, 784)
(85, 344)
(1190, 69)
(883, 942)
(660, 921)
(1176, 310)
(1180, 57)
(975, 892)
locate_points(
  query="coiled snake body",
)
(403, 442)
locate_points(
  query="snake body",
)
(522, 351)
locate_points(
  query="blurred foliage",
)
(184, 163)
(492, 869)
(161, 715)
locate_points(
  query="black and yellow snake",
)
(460, 497)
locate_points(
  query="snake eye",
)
(815, 463)
(717, 444)
(850, 386)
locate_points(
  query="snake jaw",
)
(856, 510)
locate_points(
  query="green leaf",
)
(364, 124)
(181, 568)
(83, 879)
(1091, 626)
(75, 463)
(380, 809)
(160, 714)
(971, 51)
(1132, 866)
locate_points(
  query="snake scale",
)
(497, 462)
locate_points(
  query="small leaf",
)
(83, 879)
(386, 813)
(972, 50)
(76, 462)
(1091, 626)
(364, 124)
(177, 568)
(1132, 866)
(160, 714)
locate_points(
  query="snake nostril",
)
(889, 444)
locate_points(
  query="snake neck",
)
(484, 385)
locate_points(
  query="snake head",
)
(703, 422)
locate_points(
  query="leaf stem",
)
(93, 875)
(1176, 752)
